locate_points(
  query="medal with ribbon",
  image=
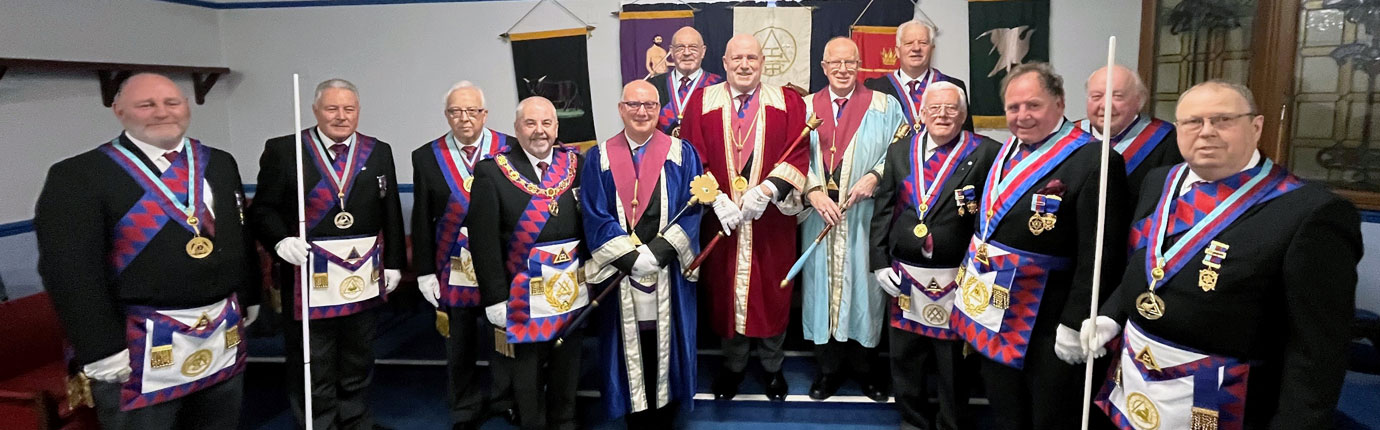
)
(198, 247)
(924, 195)
(342, 180)
(1044, 207)
(1002, 191)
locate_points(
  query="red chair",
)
(33, 369)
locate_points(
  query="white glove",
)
(1067, 347)
(889, 280)
(293, 250)
(391, 279)
(497, 313)
(1096, 333)
(113, 369)
(727, 211)
(646, 264)
(251, 314)
(755, 201)
(792, 205)
(430, 288)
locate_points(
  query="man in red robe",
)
(743, 131)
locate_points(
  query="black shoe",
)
(825, 386)
(726, 384)
(875, 391)
(776, 387)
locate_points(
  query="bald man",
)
(843, 308)
(1144, 142)
(674, 88)
(528, 245)
(632, 186)
(741, 130)
(443, 172)
(915, 44)
(143, 248)
(1259, 289)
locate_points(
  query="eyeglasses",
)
(634, 106)
(456, 112)
(945, 110)
(845, 64)
(1217, 121)
(692, 47)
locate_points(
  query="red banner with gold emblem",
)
(877, 45)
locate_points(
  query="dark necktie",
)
(171, 156)
(742, 105)
(914, 90)
(541, 169)
(339, 150)
(1022, 151)
(469, 151)
(684, 87)
(637, 158)
(839, 112)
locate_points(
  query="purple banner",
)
(645, 41)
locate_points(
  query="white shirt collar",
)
(932, 145)
(154, 153)
(633, 144)
(535, 160)
(326, 142)
(904, 78)
(675, 76)
(1193, 178)
(833, 97)
(1058, 126)
(735, 93)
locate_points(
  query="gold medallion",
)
(1157, 273)
(921, 230)
(562, 291)
(975, 296)
(197, 363)
(1146, 358)
(469, 183)
(344, 220)
(1037, 225)
(1049, 221)
(1150, 305)
(740, 183)
(972, 208)
(1142, 413)
(554, 208)
(1207, 279)
(936, 315)
(199, 247)
(352, 287)
(924, 208)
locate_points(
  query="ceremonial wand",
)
(901, 133)
(303, 277)
(703, 189)
(810, 125)
(1101, 221)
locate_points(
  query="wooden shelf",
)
(111, 75)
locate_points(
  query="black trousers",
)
(214, 408)
(831, 356)
(1046, 394)
(912, 358)
(470, 338)
(654, 417)
(544, 379)
(342, 362)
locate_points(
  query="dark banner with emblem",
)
(1003, 34)
(645, 41)
(554, 64)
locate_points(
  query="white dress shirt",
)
(326, 143)
(1193, 178)
(833, 96)
(535, 160)
(156, 155)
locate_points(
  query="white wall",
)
(403, 58)
(45, 117)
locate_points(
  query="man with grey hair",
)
(915, 50)
(354, 244)
(143, 249)
(442, 176)
(1144, 142)
(1026, 281)
(926, 208)
(1262, 288)
(528, 244)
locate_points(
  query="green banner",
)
(1002, 34)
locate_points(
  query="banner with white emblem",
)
(784, 33)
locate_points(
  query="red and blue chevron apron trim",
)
(1265, 182)
(1225, 395)
(1002, 192)
(539, 207)
(911, 102)
(1025, 274)
(967, 143)
(669, 117)
(449, 240)
(522, 327)
(320, 265)
(1138, 140)
(148, 216)
(322, 197)
(908, 284)
(131, 393)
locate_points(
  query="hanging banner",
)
(554, 64)
(645, 41)
(784, 33)
(877, 49)
(1002, 35)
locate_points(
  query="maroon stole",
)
(630, 183)
(841, 134)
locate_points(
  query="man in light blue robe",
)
(844, 309)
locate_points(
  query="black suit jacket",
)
(659, 81)
(892, 234)
(1067, 294)
(1284, 300)
(430, 196)
(883, 84)
(376, 210)
(496, 205)
(83, 199)
(1165, 153)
